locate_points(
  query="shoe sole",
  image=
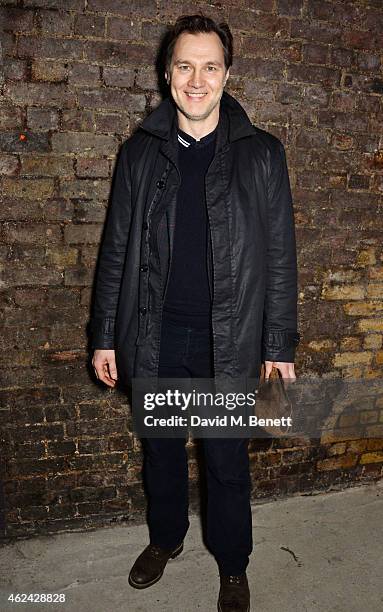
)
(139, 585)
(220, 609)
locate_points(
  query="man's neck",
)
(198, 129)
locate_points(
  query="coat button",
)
(160, 184)
(143, 310)
(145, 226)
(143, 268)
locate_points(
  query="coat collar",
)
(162, 121)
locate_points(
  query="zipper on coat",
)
(143, 325)
(170, 244)
(209, 260)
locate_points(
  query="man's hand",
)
(286, 369)
(104, 363)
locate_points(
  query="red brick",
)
(9, 43)
(119, 54)
(89, 25)
(342, 462)
(57, 209)
(360, 40)
(30, 233)
(257, 5)
(322, 10)
(274, 112)
(368, 62)
(368, 104)
(152, 33)
(51, 165)
(89, 256)
(42, 119)
(14, 209)
(315, 54)
(70, 5)
(123, 29)
(313, 74)
(50, 48)
(259, 68)
(289, 7)
(119, 77)
(120, 7)
(354, 122)
(343, 101)
(43, 70)
(270, 24)
(85, 189)
(92, 167)
(61, 448)
(374, 18)
(84, 74)
(11, 117)
(77, 120)
(15, 70)
(260, 89)
(55, 22)
(52, 94)
(12, 143)
(358, 181)
(9, 164)
(101, 98)
(341, 57)
(82, 233)
(30, 189)
(79, 276)
(32, 275)
(16, 20)
(146, 79)
(113, 123)
(82, 142)
(319, 32)
(287, 93)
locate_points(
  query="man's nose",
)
(196, 79)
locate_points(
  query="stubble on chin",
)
(201, 117)
(195, 117)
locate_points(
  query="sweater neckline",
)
(187, 140)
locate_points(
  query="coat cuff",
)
(279, 345)
(102, 333)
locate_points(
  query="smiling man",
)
(197, 278)
(197, 82)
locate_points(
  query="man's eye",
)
(211, 68)
(183, 67)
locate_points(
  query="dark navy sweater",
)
(187, 297)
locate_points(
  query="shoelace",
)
(156, 550)
(231, 600)
(235, 579)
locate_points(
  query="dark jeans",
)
(186, 352)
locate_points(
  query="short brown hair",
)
(196, 24)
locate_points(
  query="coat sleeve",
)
(112, 257)
(280, 336)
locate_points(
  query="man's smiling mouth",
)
(195, 95)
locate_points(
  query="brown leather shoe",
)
(234, 594)
(149, 566)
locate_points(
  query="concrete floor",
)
(317, 553)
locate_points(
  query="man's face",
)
(197, 74)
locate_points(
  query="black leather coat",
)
(251, 250)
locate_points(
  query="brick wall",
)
(76, 78)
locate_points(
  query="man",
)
(197, 278)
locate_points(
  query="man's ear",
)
(167, 77)
(227, 76)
